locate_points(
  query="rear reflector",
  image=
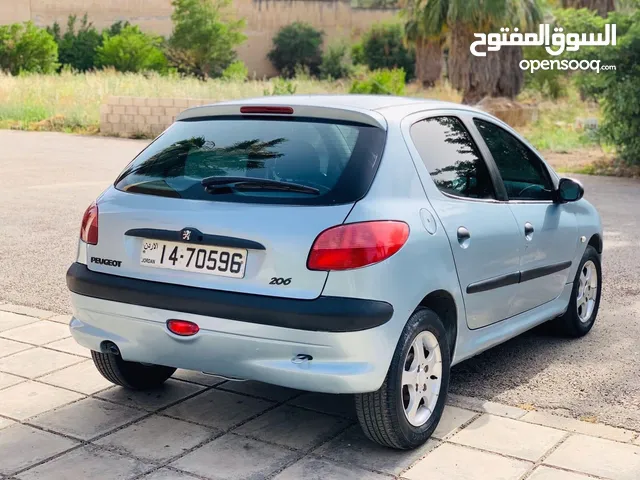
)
(89, 227)
(182, 327)
(356, 245)
(267, 109)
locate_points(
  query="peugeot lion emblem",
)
(186, 235)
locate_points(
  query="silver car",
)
(340, 244)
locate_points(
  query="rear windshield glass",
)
(336, 160)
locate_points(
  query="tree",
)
(132, 51)
(27, 48)
(383, 47)
(204, 37)
(478, 77)
(603, 7)
(297, 45)
(77, 48)
(428, 68)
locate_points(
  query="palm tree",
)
(428, 46)
(478, 77)
(603, 7)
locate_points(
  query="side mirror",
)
(569, 190)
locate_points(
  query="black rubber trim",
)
(543, 271)
(323, 314)
(496, 282)
(516, 277)
(196, 237)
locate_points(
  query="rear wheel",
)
(133, 375)
(406, 409)
(585, 297)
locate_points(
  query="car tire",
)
(132, 375)
(384, 414)
(583, 307)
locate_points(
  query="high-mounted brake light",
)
(183, 328)
(356, 245)
(267, 109)
(89, 227)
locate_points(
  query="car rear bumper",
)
(326, 314)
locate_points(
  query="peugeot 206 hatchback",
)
(341, 244)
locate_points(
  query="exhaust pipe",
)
(109, 347)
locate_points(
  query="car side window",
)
(452, 158)
(524, 175)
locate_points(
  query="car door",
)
(548, 231)
(481, 229)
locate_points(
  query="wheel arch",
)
(444, 305)
(596, 242)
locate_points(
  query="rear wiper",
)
(218, 184)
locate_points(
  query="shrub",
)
(357, 54)
(27, 48)
(236, 72)
(281, 86)
(297, 45)
(132, 51)
(335, 62)
(383, 47)
(77, 49)
(380, 82)
(204, 37)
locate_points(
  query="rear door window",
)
(337, 160)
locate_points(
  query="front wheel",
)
(406, 409)
(133, 375)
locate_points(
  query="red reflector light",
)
(356, 245)
(182, 327)
(89, 227)
(267, 109)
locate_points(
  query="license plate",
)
(222, 261)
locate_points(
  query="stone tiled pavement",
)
(60, 419)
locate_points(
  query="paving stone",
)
(353, 448)
(509, 437)
(152, 400)
(597, 456)
(82, 377)
(38, 333)
(452, 419)
(27, 311)
(65, 319)
(327, 403)
(7, 380)
(156, 438)
(293, 427)
(88, 463)
(483, 406)
(198, 377)
(10, 320)
(22, 446)
(69, 345)
(168, 474)
(637, 441)
(36, 362)
(320, 469)
(548, 473)
(218, 409)
(88, 418)
(576, 426)
(27, 399)
(9, 347)
(453, 462)
(232, 457)
(260, 389)
(4, 423)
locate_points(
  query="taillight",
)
(356, 245)
(89, 228)
(183, 328)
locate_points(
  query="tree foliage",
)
(77, 48)
(336, 62)
(27, 48)
(132, 51)
(204, 37)
(383, 47)
(297, 45)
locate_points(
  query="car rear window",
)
(338, 159)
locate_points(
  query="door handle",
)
(528, 231)
(463, 237)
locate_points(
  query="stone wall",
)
(142, 117)
(263, 19)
